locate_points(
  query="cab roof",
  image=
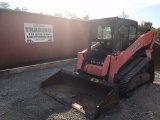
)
(113, 20)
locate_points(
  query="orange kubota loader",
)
(114, 65)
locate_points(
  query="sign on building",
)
(38, 32)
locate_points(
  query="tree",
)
(158, 31)
(124, 15)
(144, 27)
(17, 9)
(85, 17)
(4, 5)
(58, 15)
(71, 16)
(24, 9)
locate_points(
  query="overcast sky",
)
(139, 10)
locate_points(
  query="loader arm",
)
(118, 61)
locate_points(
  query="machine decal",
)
(135, 47)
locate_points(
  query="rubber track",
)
(127, 69)
(125, 81)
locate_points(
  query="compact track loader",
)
(115, 64)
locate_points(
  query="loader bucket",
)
(79, 91)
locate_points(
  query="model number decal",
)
(135, 47)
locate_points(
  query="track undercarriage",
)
(136, 74)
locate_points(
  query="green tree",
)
(144, 27)
(4, 5)
(158, 31)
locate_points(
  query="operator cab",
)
(109, 36)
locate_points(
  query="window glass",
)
(132, 33)
(107, 33)
(158, 39)
(104, 32)
(100, 30)
(123, 31)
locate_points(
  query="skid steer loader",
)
(115, 64)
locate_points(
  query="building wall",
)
(70, 36)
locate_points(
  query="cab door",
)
(121, 37)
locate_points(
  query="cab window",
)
(104, 32)
(123, 32)
(158, 39)
(132, 33)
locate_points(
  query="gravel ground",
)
(21, 99)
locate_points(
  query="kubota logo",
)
(135, 47)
